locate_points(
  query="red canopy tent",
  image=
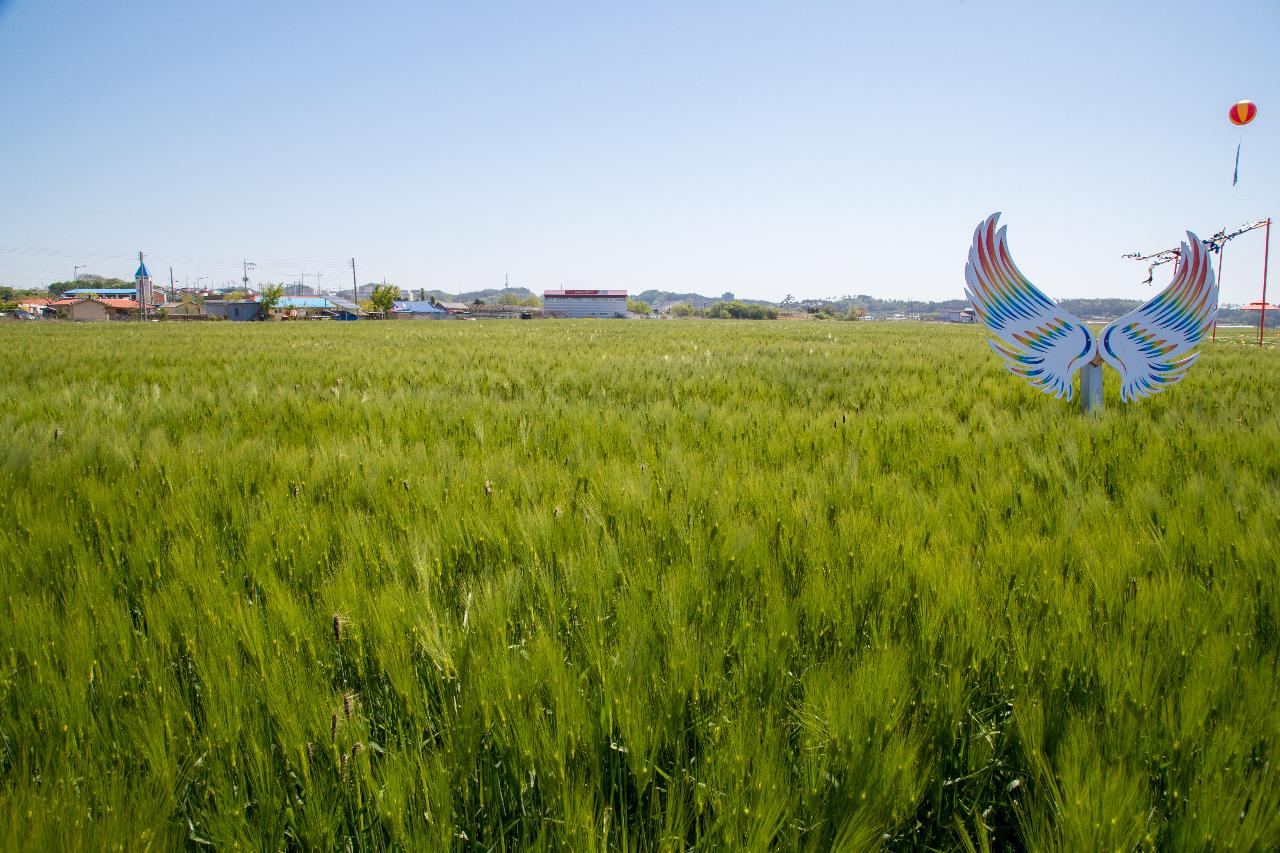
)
(1260, 306)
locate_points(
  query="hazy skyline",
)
(763, 149)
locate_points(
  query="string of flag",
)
(1213, 244)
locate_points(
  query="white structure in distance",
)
(585, 303)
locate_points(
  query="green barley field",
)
(628, 586)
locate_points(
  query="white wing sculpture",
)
(1152, 345)
(1038, 340)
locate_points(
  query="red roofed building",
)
(90, 310)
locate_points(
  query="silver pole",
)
(1091, 388)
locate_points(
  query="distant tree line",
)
(89, 280)
(515, 300)
(1237, 317)
(1109, 309)
(9, 295)
(862, 305)
(1098, 309)
(732, 310)
(852, 312)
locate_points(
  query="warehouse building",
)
(240, 310)
(957, 315)
(585, 303)
(407, 309)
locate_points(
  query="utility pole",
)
(355, 288)
(75, 276)
(1266, 256)
(172, 293)
(247, 266)
(319, 290)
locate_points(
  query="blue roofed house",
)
(314, 308)
(411, 310)
(308, 303)
(300, 308)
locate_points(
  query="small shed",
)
(240, 310)
(188, 310)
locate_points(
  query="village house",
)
(89, 310)
(406, 310)
(37, 306)
(301, 308)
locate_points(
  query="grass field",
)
(608, 585)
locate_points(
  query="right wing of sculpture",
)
(1037, 340)
(1152, 345)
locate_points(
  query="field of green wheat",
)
(701, 585)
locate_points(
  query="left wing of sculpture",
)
(1039, 341)
(1152, 345)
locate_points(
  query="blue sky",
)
(816, 149)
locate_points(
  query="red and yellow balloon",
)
(1242, 112)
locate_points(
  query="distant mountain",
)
(489, 296)
(492, 294)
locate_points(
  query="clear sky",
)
(812, 148)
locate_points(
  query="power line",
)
(1213, 244)
(189, 260)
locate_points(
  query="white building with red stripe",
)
(585, 303)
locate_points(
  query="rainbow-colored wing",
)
(1152, 345)
(1038, 340)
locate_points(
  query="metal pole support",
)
(1091, 387)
